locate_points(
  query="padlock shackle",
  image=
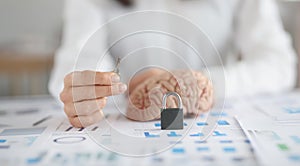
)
(164, 100)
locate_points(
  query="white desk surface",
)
(261, 130)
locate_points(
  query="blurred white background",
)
(30, 33)
(36, 22)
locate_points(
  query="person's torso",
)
(170, 34)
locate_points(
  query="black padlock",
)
(171, 118)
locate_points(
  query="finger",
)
(94, 92)
(84, 108)
(84, 121)
(80, 78)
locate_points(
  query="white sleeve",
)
(82, 19)
(268, 61)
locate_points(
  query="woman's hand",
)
(85, 93)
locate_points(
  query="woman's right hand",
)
(85, 93)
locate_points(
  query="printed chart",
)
(244, 133)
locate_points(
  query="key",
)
(117, 67)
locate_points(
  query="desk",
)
(261, 130)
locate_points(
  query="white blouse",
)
(254, 53)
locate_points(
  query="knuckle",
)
(86, 72)
(68, 78)
(87, 109)
(101, 76)
(75, 122)
(102, 103)
(68, 110)
(109, 89)
(89, 120)
(64, 96)
(81, 108)
(104, 76)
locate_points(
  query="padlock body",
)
(171, 119)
